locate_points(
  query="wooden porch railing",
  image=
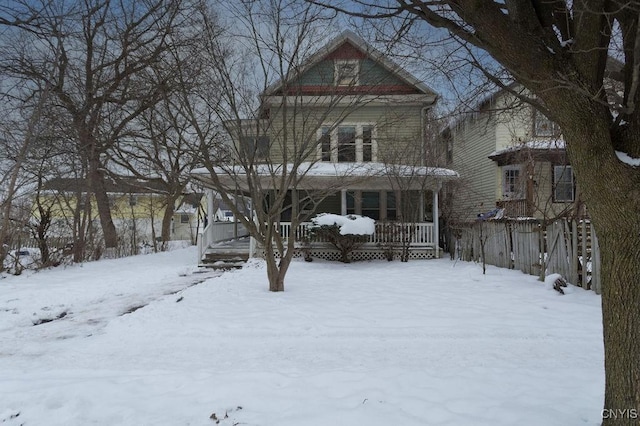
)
(216, 232)
(416, 234)
(515, 208)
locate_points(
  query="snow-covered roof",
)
(330, 176)
(338, 169)
(533, 144)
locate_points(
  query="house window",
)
(371, 204)
(351, 202)
(346, 144)
(184, 218)
(256, 147)
(374, 204)
(133, 200)
(346, 72)
(563, 184)
(392, 212)
(367, 143)
(543, 127)
(325, 143)
(511, 182)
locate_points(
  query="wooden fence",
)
(566, 247)
(53, 242)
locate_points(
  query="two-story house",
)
(357, 120)
(512, 163)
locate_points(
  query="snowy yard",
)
(370, 343)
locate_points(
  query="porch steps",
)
(224, 258)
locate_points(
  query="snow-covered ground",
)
(371, 343)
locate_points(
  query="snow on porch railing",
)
(417, 234)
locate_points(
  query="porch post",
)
(343, 202)
(210, 198)
(436, 230)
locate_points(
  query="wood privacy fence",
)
(566, 247)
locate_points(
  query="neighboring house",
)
(365, 117)
(222, 212)
(188, 217)
(512, 163)
(137, 208)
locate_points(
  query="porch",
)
(403, 200)
(389, 239)
(216, 249)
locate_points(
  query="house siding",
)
(397, 127)
(502, 123)
(473, 141)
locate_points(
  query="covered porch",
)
(404, 206)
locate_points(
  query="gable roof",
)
(367, 51)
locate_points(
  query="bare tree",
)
(273, 129)
(409, 166)
(561, 52)
(20, 130)
(161, 153)
(94, 56)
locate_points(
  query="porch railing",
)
(216, 232)
(416, 234)
(514, 208)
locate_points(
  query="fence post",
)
(585, 278)
(574, 254)
(596, 283)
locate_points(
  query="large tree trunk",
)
(166, 218)
(276, 268)
(612, 194)
(96, 177)
(620, 252)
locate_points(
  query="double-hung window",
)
(347, 143)
(325, 143)
(563, 184)
(543, 127)
(511, 182)
(255, 147)
(367, 143)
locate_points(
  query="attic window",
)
(346, 72)
(543, 127)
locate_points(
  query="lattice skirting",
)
(331, 253)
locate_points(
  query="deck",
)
(389, 237)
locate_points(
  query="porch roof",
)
(552, 150)
(324, 175)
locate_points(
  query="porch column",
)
(343, 202)
(210, 198)
(436, 230)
